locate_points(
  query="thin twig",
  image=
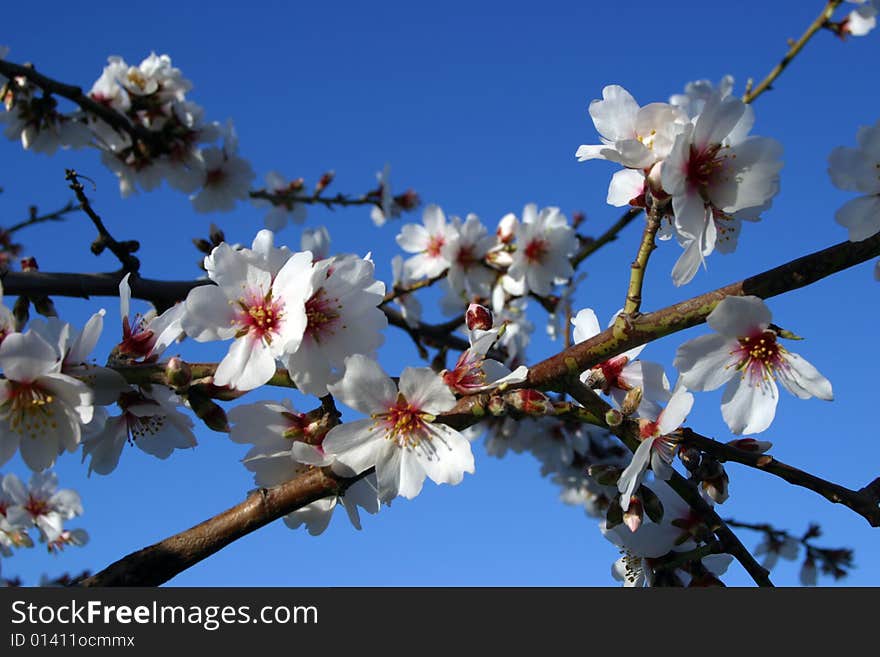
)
(123, 252)
(795, 48)
(609, 235)
(640, 265)
(865, 502)
(57, 215)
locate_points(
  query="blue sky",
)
(480, 108)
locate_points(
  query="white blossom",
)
(858, 170)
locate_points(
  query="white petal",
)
(803, 380)
(749, 408)
(364, 386)
(736, 317)
(706, 362)
(425, 390)
(355, 445)
(861, 216)
(248, 365)
(631, 477)
(446, 456)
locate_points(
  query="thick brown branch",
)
(549, 373)
(865, 502)
(158, 563)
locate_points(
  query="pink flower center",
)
(404, 423)
(468, 373)
(435, 245)
(322, 314)
(702, 166)
(536, 250)
(260, 316)
(137, 340)
(36, 506)
(29, 410)
(465, 257)
(759, 355)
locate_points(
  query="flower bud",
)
(613, 418)
(178, 372)
(324, 181)
(216, 235)
(690, 458)
(614, 514)
(21, 312)
(634, 515)
(751, 445)
(497, 405)
(409, 200)
(203, 245)
(716, 488)
(478, 317)
(44, 306)
(631, 401)
(577, 219)
(29, 264)
(207, 410)
(530, 402)
(506, 228)
(653, 505)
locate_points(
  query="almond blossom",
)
(265, 314)
(862, 19)
(474, 372)
(147, 336)
(287, 443)
(399, 438)
(656, 448)
(858, 170)
(545, 242)
(342, 318)
(316, 240)
(41, 410)
(41, 504)
(150, 420)
(427, 242)
(227, 176)
(717, 175)
(620, 374)
(633, 136)
(745, 354)
(465, 252)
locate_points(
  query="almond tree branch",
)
(633, 301)
(628, 432)
(865, 502)
(765, 84)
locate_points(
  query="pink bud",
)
(633, 516)
(478, 317)
(531, 402)
(751, 445)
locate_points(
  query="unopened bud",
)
(21, 312)
(605, 474)
(690, 458)
(131, 246)
(207, 410)
(577, 219)
(216, 235)
(496, 406)
(530, 402)
(613, 418)
(98, 246)
(710, 468)
(634, 514)
(652, 503)
(203, 245)
(631, 401)
(506, 228)
(29, 264)
(409, 200)
(614, 514)
(178, 372)
(44, 306)
(751, 445)
(478, 317)
(325, 180)
(717, 488)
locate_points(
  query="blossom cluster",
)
(39, 505)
